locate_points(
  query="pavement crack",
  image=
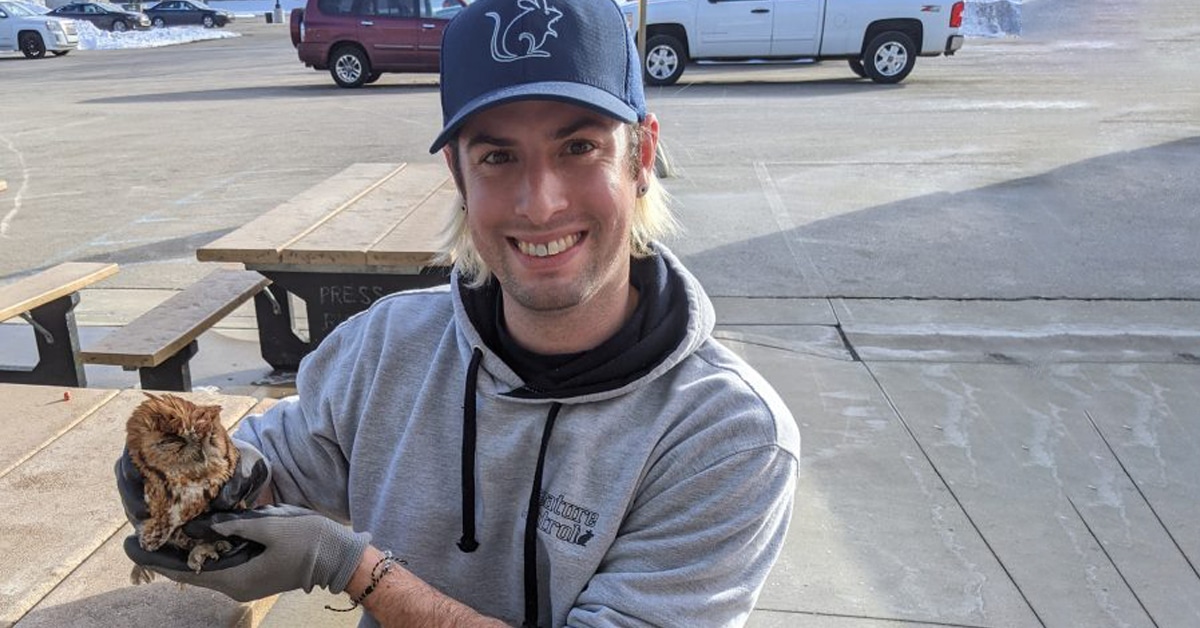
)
(953, 494)
(1108, 556)
(1137, 487)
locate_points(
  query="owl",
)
(184, 455)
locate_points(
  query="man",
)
(554, 438)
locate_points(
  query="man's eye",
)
(580, 147)
(496, 157)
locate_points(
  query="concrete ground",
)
(964, 464)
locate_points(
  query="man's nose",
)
(543, 194)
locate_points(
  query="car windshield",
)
(111, 8)
(16, 10)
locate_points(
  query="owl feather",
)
(184, 455)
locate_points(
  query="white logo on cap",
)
(531, 38)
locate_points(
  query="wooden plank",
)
(60, 505)
(416, 239)
(160, 333)
(344, 239)
(25, 435)
(58, 281)
(98, 593)
(261, 240)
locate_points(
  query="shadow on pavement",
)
(1080, 231)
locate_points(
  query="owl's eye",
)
(172, 439)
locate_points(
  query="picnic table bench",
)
(62, 524)
(47, 300)
(368, 231)
(160, 343)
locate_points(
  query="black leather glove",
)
(252, 475)
(297, 549)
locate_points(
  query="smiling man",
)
(554, 438)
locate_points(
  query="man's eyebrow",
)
(484, 138)
(585, 122)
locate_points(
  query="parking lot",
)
(1058, 164)
(977, 290)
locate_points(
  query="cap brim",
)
(575, 93)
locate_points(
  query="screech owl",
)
(184, 455)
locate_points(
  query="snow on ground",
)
(1001, 18)
(92, 38)
(982, 18)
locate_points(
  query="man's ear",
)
(649, 148)
(451, 156)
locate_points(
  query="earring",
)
(642, 189)
(462, 206)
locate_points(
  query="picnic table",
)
(61, 520)
(368, 231)
(47, 300)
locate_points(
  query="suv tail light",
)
(956, 14)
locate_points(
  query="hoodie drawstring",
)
(467, 542)
(531, 525)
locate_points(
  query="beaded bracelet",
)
(380, 570)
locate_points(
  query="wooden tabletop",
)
(61, 521)
(369, 216)
(28, 293)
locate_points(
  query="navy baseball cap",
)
(575, 51)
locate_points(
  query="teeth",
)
(550, 248)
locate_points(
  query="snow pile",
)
(92, 38)
(1000, 18)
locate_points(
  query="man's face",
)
(550, 191)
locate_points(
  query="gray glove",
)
(301, 549)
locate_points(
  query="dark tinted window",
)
(390, 8)
(336, 7)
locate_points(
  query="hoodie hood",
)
(677, 318)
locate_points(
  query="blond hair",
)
(653, 220)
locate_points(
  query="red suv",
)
(358, 40)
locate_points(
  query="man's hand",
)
(300, 549)
(251, 476)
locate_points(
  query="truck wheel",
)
(889, 57)
(665, 59)
(856, 66)
(32, 45)
(349, 67)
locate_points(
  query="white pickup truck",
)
(34, 34)
(881, 39)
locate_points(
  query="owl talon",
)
(141, 575)
(205, 551)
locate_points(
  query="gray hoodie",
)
(663, 500)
